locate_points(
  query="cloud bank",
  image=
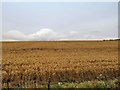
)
(46, 34)
(42, 35)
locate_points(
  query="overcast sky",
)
(59, 21)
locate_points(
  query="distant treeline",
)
(110, 39)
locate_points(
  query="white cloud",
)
(14, 35)
(44, 34)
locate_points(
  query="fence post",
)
(49, 81)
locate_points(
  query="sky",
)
(45, 21)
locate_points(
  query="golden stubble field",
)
(73, 61)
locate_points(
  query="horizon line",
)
(58, 40)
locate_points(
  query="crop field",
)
(36, 64)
